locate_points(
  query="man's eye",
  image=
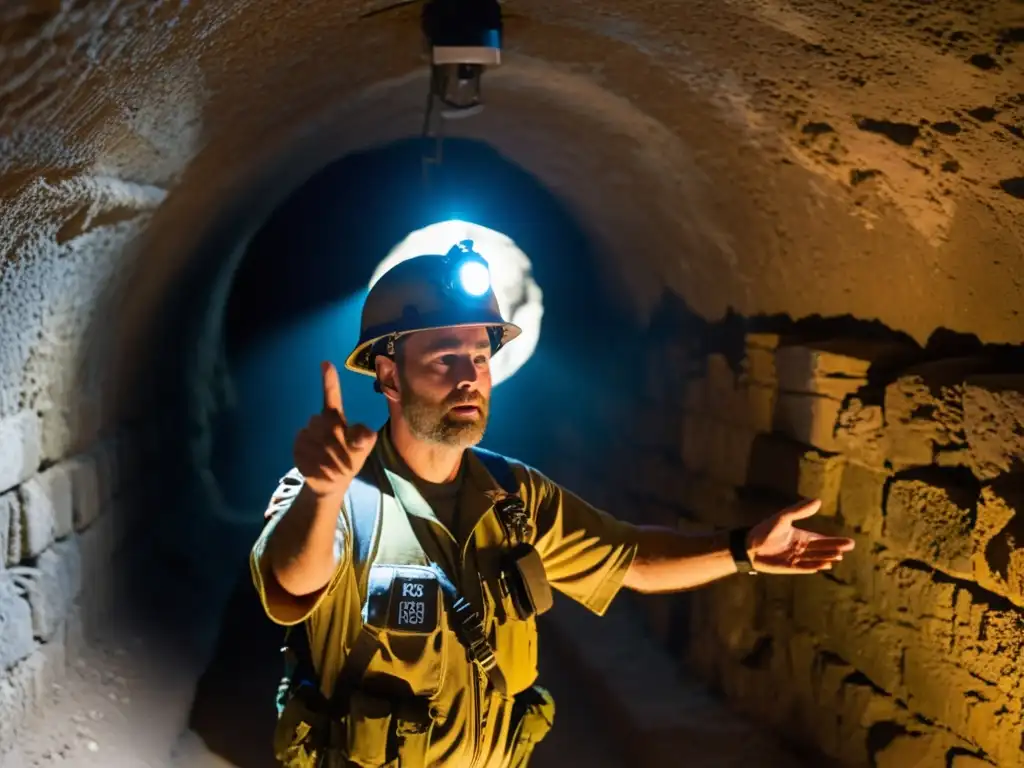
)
(483, 360)
(446, 360)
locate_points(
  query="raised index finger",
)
(332, 389)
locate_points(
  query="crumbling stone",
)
(999, 537)
(873, 646)
(862, 498)
(834, 368)
(20, 448)
(16, 641)
(10, 528)
(993, 408)
(924, 414)
(862, 708)
(87, 501)
(795, 470)
(901, 591)
(973, 709)
(46, 510)
(52, 586)
(860, 433)
(737, 401)
(932, 523)
(810, 419)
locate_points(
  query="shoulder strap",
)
(363, 509)
(511, 511)
(500, 470)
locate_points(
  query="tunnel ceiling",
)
(800, 158)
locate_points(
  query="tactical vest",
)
(387, 699)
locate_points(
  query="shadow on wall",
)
(296, 300)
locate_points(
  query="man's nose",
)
(467, 374)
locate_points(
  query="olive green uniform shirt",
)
(586, 553)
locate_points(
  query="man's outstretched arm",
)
(670, 561)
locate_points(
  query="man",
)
(417, 564)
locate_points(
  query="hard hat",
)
(426, 293)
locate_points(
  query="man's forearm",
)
(670, 561)
(301, 547)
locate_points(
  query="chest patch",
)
(404, 599)
(414, 604)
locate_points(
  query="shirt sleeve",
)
(280, 606)
(586, 552)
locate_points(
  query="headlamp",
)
(468, 274)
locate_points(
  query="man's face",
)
(445, 385)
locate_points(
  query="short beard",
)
(432, 423)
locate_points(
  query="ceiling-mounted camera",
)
(464, 38)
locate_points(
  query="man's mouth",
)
(466, 410)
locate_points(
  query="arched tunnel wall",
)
(733, 170)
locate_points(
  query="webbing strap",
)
(500, 470)
(511, 511)
(470, 631)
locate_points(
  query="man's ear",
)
(387, 377)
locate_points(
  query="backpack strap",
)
(511, 510)
(500, 470)
(363, 502)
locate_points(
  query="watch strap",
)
(738, 550)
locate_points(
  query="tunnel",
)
(780, 247)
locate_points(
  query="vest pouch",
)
(525, 582)
(368, 725)
(533, 716)
(404, 608)
(302, 733)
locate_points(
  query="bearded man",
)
(412, 566)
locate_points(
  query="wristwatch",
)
(738, 549)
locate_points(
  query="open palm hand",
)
(777, 546)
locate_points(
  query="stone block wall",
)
(61, 524)
(909, 652)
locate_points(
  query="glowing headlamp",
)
(474, 278)
(469, 274)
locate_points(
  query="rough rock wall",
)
(61, 526)
(909, 651)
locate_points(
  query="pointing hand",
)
(328, 452)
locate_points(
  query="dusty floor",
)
(117, 711)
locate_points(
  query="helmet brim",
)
(360, 360)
